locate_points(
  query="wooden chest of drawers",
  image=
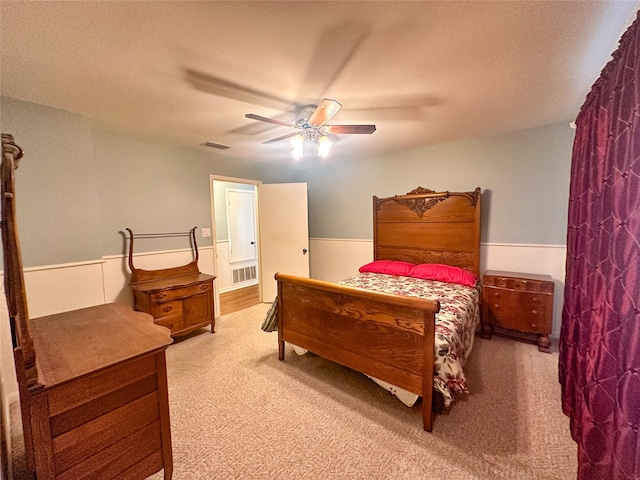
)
(519, 302)
(181, 303)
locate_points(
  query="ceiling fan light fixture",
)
(297, 153)
(297, 141)
(324, 145)
(297, 144)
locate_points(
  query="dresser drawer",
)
(164, 309)
(522, 284)
(180, 292)
(174, 323)
(521, 310)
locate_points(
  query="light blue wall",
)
(56, 185)
(150, 188)
(79, 186)
(524, 176)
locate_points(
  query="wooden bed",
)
(386, 336)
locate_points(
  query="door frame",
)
(246, 181)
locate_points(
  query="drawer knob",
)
(496, 306)
(497, 294)
(534, 312)
(167, 309)
(534, 325)
(203, 286)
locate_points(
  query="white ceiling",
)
(422, 72)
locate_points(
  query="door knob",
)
(252, 243)
(304, 251)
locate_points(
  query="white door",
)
(284, 233)
(241, 224)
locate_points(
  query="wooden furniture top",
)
(169, 282)
(78, 342)
(424, 226)
(527, 276)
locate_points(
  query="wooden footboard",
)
(385, 336)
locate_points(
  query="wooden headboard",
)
(424, 226)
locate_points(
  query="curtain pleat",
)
(599, 366)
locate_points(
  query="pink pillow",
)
(444, 273)
(389, 267)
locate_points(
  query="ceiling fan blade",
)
(257, 128)
(347, 129)
(234, 91)
(283, 137)
(323, 113)
(253, 116)
(333, 51)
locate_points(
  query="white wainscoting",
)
(8, 384)
(59, 288)
(333, 259)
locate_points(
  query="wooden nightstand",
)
(519, 302)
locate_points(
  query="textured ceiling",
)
(422, 72)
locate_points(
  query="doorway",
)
(282, 242)
(235, 234)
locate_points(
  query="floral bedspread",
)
(455, 323)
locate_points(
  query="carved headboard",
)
(424, 226)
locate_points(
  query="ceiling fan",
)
(311, 124)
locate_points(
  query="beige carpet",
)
(239, 412)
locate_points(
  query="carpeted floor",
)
(239, 412)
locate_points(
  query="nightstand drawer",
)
(528, 285)
(519, 310)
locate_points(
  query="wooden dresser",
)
(92, 382)
(179, 298)
(518, 302)
(101, 410)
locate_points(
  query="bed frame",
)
(385, 336)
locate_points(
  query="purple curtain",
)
(599, 366)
